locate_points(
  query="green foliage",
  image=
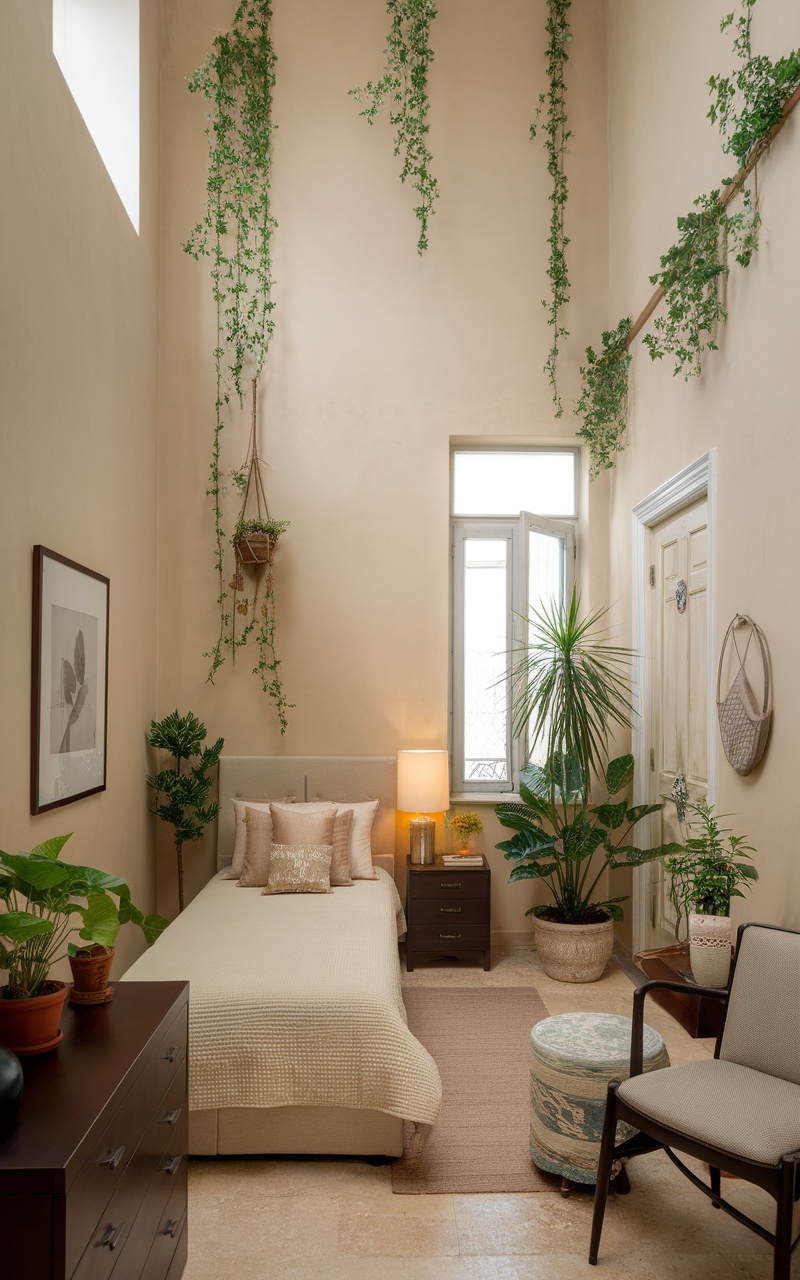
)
(603, 402)
(747, 104)
(690, 277)
(707, 872)
(273, 528)
(404, 86)
(559, 847)
(184, 805)
(557, 133)
(464, 824)
(237, 79)
(40, 894)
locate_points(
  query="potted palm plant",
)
(571, 687)
(46, 900)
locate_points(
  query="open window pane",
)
(505, 482)
(486, 607)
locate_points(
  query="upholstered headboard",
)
(351, 778)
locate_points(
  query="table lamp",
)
(423, 788)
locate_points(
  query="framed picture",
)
(69, 689)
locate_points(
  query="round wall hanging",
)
(743, 725)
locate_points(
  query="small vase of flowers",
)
(464, 826)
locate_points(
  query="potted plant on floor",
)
(45, 901)
(570, 688)
(704, 875)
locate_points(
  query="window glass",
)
(505, 482)
(485, 630)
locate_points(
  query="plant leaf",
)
(619, 774)
(80, 658)
(19, 926)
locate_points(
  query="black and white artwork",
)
(70, 683)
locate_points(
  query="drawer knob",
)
(113, 1158)
(110, 1237)
(171, 1117)
(170, 1165)
(170, 1228)
(451, 884)
(451, 910)
(449, 935)
(171, 1053)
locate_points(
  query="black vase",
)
(10, 1091)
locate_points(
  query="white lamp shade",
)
(423, 781)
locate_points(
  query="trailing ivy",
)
(557, 133)
(603, 403)
(237, 79)
(747, 104)
(404, 86)
(690, 276)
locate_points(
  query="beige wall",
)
(78, 407)
(663, 153)
(379, 358)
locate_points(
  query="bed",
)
(298, 1041)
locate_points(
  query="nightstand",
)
(448, 911)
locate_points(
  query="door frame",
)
(697, 480)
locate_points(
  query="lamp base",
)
(423, 832)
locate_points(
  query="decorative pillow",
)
(255, 870)
(360, 849)
(340, 857)
(240, 834)
(299, 868)
(302, 827)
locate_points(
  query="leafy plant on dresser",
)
(185, 792)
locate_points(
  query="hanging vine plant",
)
(691, 274)
(404, 86)
(557, 134)
(603, 402)
(237, 79)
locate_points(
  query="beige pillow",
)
(340, 857)
(360, 850)
(240, 834)
(255, 871)
(299, 868)
(302, 827)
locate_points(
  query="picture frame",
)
(69, 681)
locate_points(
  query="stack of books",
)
(462, 859)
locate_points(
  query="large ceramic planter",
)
(574, 952)
(31, 1027)
(11, 1082)
(90, 976)
(710, 949)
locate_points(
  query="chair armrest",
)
(637, 1027)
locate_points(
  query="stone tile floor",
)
(282, 1219)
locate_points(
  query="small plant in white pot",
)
(711, 868)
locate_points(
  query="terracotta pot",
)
(710, 949)
(30, 1027)
(574, 952)
(90, 976)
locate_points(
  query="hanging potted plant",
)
(571, 687)
(46, 900)
(237, 79)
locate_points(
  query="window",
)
(506, 561)
(96, 45)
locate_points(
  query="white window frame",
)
(515, 531)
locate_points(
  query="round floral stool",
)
(573, 1057)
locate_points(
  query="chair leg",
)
(783, 1222)
(604, 1170)
(716, 1181)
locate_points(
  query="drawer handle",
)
(170, 1228)
(171, 1117)
(451, 910)
(449, 935)
(113, 1158)
(171, 1054)
(451, 884)
(111, 1237)
(170, 1166)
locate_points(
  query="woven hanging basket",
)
(743, 723)
(255, 548)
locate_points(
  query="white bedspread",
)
(295, 1000)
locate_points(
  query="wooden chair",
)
(739, 1111)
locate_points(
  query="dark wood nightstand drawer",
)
(449, 884)
(443, 912)
(449, 939)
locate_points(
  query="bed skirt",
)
(325, 1131)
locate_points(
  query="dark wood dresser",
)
(448, 911)
(93, 1178)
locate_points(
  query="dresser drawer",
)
(449, 884)
(170, 1236)
(448, 939)
(165, 1137)
(162, 1215)
(441, 912)
(107, 1165)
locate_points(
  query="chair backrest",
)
(762, 1025)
